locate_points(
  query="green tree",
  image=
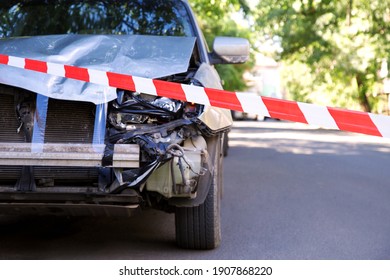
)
(339, 44)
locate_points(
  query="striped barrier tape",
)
(327, 117)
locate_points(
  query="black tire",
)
(225, 144)
(199, 227)
(234, 115)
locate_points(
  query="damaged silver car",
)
(73, 148)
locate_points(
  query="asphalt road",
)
(291, 192)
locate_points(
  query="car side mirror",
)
(229, 50)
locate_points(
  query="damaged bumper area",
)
(72, 152)
(76, 155)
(96, 159)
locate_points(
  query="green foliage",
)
(336, 45)
(304, 86)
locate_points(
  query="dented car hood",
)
(136, 55)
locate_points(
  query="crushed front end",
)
(65, 150)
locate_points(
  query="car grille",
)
(8, 121)
(67, 122)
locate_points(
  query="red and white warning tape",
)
(353, 121)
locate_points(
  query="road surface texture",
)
(291, 192)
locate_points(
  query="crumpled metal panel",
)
(136, 55)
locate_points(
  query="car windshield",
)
(48, 17)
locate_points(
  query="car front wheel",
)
(199, 227)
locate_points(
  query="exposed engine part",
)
(155, 151)
(136, 108)
(165, 130)
(121, 121)
(116, 136)
(25, 109)
(185, 167)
